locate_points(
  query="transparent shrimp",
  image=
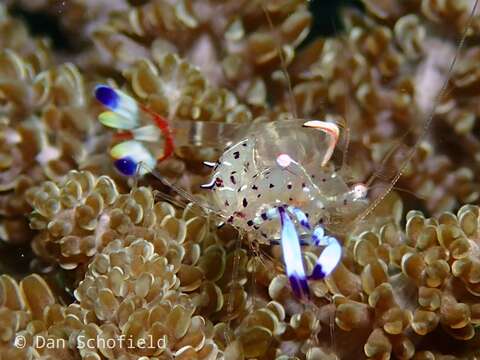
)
(276, 180)
(288, 185)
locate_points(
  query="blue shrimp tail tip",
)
(107, 96)
(126, 166)
(299, 287)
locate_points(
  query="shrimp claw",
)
(292, 256)
(330, 256)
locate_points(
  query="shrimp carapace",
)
(279, 163)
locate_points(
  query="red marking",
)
(123, 135)
(164, 127)
(218, 182)
(239, 214)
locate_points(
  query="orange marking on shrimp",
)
(164, 127)
(330, 129)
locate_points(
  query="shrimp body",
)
(277, 164)
(271, 180)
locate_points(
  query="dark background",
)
(326, 22)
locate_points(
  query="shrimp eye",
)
(126, 166)
(284, 160)
(360, 191)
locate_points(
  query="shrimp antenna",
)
(344, 123)
(389, 154)
(399, 189)
(347, 140)
(430, 117)
(283, 62)
(178, 189)
(230, 298)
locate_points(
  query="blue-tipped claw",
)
(299, 286)
(292, 255)
(328, 259)
(317, 273)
